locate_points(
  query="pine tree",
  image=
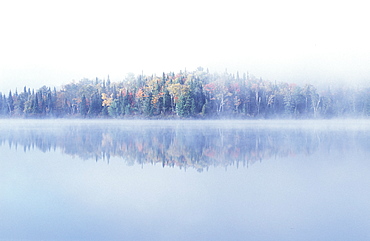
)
(83, 106)
(166, 102)
(10, 103)
(95, 104)
(2, 104)
(36, 107)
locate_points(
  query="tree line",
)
(187, 94)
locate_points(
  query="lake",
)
(184, 180)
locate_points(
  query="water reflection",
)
(315, 189)
(185, 145)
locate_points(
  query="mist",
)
(170, 180)
(318, 43)
(187, 144)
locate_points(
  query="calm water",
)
(189, 180)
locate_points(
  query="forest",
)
(196, 94)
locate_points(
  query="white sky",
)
(52, 42)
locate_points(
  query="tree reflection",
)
(183, 147)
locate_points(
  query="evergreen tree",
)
(10, 103)
(147, 104)
(2, 105)
(184, 106)
(50, 104)
(114, 109)
(95, 104)
(83, 107)
(36, 106)
(166, 102)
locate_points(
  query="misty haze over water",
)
(197, 144)
(115, 179)
(184, 180)
(105, 177)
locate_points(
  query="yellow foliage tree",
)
(107, 101)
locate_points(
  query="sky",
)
(54, 42)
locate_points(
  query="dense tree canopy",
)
(196, 94)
